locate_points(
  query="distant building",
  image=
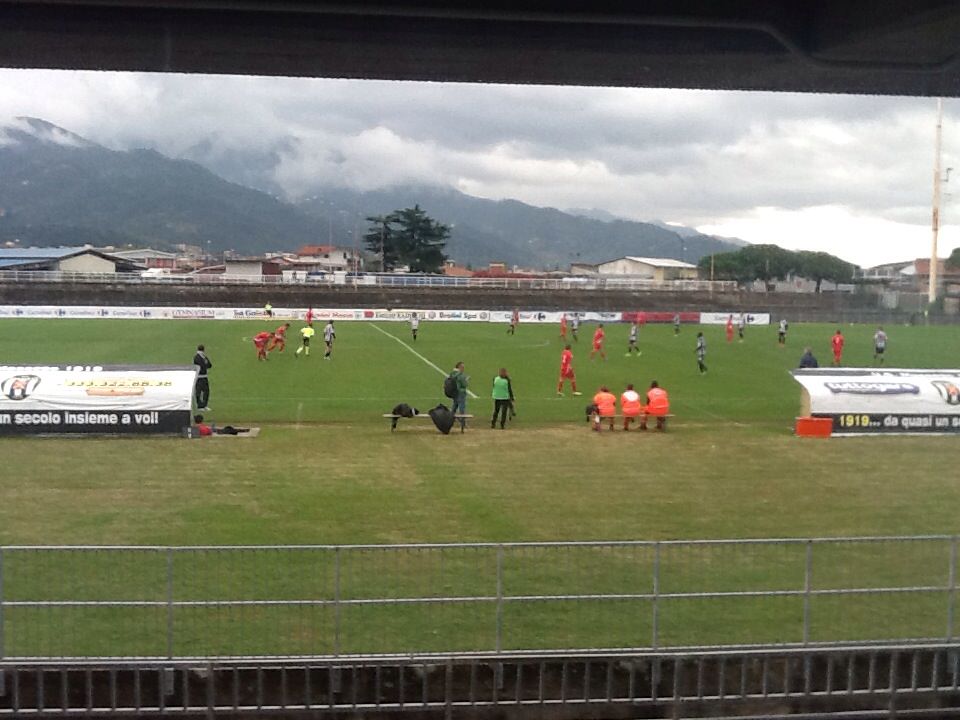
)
(909, 275)
(149, 258)
(251, 266)
(65, 259)
(640, 268)
(451, 269)
(328, 258)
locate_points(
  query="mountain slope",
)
(517, 233)
(57, 188)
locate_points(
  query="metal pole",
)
(170, 603)
(932, 290)
(2, 655)
(656, 595)
(951, 595)
(807, 582)
(336, 601)
(499, 628)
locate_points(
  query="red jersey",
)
(837, 342)
(261, 338)
(563, 324)
(309, 316)
(566, 360)
(280, 333)
(598, 337)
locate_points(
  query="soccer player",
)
(305, 334)
(782, 333)
(566, 371)
(741, 325)
(879, 345)
(309, 316)
(630, 406)
(606, 403)
(702, 352)
(202, 388)
(598, 336)
(730, 329)
(563, 327)
(836, 342)
(658, 406)
(329, 335)
(676, 324)
(574, 326)
(414, 325)
(260, 341)
(279, 340)
(514, 321)
(632, 341)
(268, 310)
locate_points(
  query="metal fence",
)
(373, 280)
(168, 602)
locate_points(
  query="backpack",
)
(450, 388)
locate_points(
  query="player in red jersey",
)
(260, 341)
(730, 329)
(308, 318)
(598, 336)
(563, 326)
(836, 342)
(514, 321)
(279, 339)
(566, 371)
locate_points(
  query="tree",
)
(954, 260)
(380, 241)
(820, 266)
(408, 237)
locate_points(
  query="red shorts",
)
(568, 374)
(598, 346)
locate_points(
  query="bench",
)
(641, 418)
(393, 418)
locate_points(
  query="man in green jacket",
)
(460, 401)
(502, 398)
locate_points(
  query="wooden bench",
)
(393, 425)
(641, 418)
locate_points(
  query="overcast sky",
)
(847, 174)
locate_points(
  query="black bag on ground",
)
(443, 418)
(450, 386)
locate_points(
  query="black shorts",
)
(879, 350)
(305, 341)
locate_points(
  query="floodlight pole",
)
(932, 290)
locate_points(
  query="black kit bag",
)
(443, 418)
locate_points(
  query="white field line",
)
(435, 367)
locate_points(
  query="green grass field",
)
(326, 470)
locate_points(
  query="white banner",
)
(94, 399)
(864, 401)
(720, 318)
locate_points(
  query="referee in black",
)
(202, 388)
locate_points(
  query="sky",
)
(850, 175)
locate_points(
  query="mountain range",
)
(58, 188)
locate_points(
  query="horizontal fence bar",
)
(358, 600)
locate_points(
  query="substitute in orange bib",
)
(658, 406)
(606, 403)
(630, 406)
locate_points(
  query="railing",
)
(373, 280)
(481, 597)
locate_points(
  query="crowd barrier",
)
(360, 314)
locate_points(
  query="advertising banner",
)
(82, 399)
(643, 317)
(864, 401)
(720, 318)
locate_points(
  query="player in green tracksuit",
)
(502, 398)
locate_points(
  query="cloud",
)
(761, 165)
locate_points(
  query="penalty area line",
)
(428, 362)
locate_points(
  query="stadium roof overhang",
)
(852, 46)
